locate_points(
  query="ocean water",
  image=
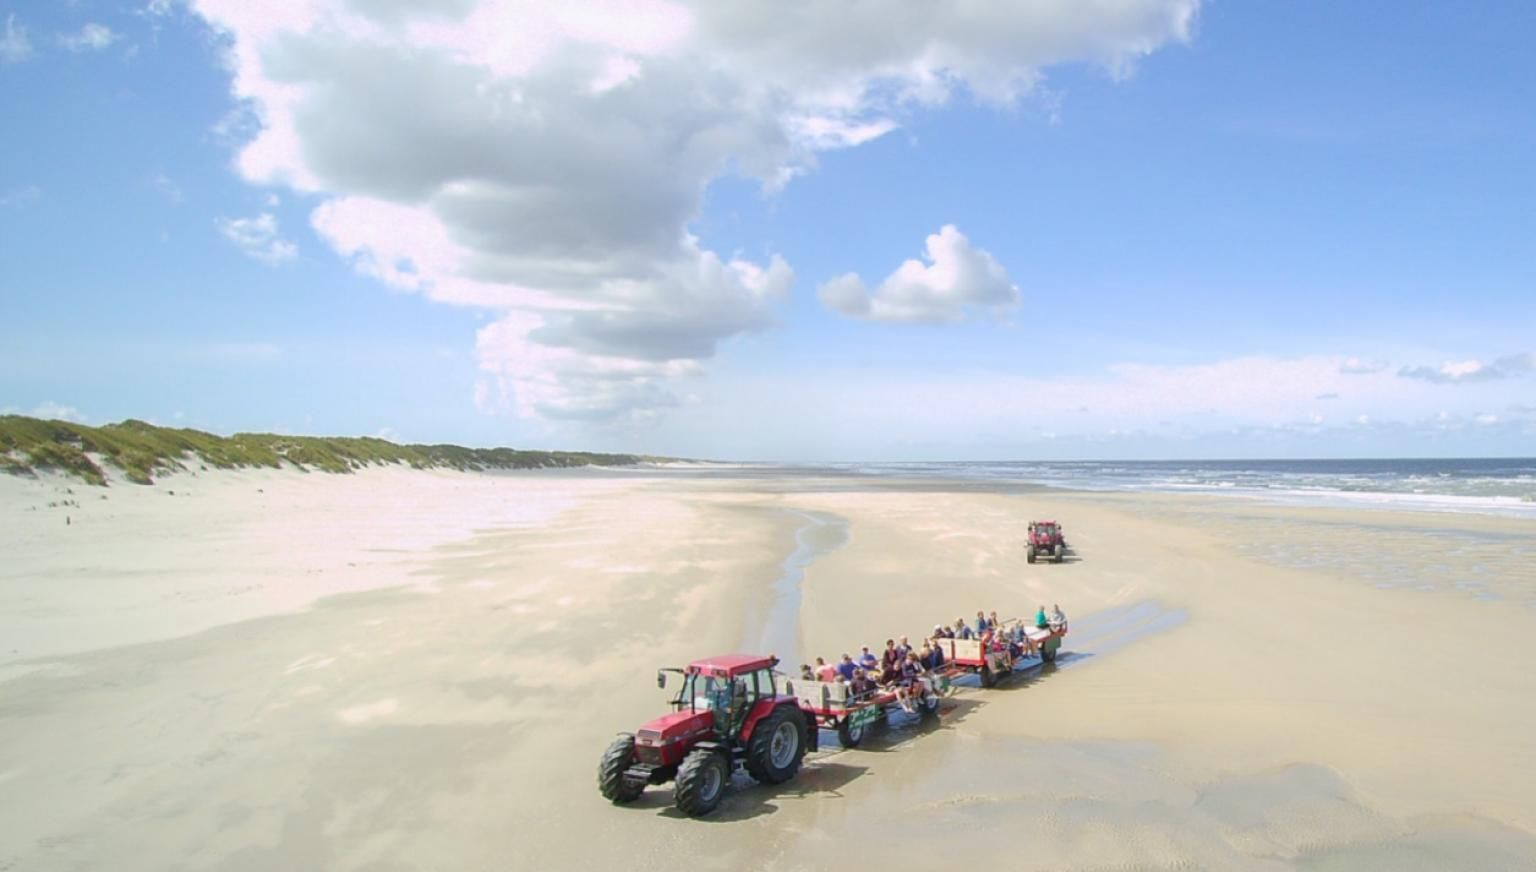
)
(1502, 486)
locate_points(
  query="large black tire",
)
(610, 772)
(777, 746)
(1048, 653)
(987, 677)
(1059, 553)
(701, 782)
(1031, 555)
(850, 736)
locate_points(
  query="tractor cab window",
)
(761, 684)
(707, 693)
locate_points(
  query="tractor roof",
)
(732, 664)
(1044, 523)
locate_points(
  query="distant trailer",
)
(966, 655)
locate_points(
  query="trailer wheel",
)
(610, 772)
(701, 782)
(988, 679)
(928, 706)
(849, 733)
(777, 746)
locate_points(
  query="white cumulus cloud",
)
(953, 279)
(545, 160)
(258, 237)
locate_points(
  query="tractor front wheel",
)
(701, 782)
(610, 772)
(1031, 555)
(777, 746)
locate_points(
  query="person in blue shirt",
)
(962, 631)
(845, 669)
(981, 623)
(869, 662)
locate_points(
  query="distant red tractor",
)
(728, 712)
(1046, 541)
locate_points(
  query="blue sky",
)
(1177, 229)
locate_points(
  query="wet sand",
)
(402, 670)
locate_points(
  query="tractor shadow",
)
(746, 799)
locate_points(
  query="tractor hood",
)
(678, 725)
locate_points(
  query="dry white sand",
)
(407, 670)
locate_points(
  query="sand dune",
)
(401, 670)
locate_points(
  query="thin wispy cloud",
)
(168, 188)
(259, 237)
(1357, 366)
(90, 37)
(15, 47)
(48, 410)
(1472, 371)
(21, 196)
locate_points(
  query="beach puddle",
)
(776, 628)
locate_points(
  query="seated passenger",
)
(903, 648)
(806, 673)
(861, 686)
(825, 671)
(1040, 619)
(868, 661)
(1058, 617)
(909, 687)
(890, 664)
(993, 621)
(962, 631)
(845, 668)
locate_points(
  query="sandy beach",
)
(419, 670)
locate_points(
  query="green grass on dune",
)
(142, 451)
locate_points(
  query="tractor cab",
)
(727, 687)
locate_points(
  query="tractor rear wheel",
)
(701, 782)
(777, 746)
(1048, 653)
(1031, 555)
(988, 679)
(1059, 552)
(849, 733)
(610, 772)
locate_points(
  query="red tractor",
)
(1046, 541)
(728, 712)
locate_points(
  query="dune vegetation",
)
(142, 451)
